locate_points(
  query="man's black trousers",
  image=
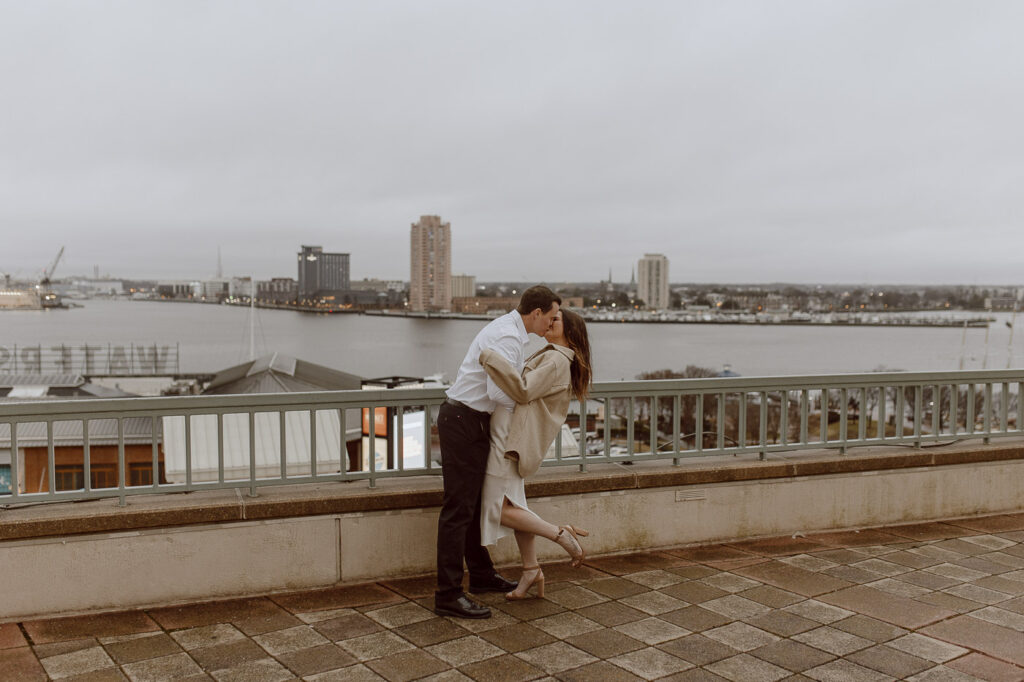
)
(465, 436)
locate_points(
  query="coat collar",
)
(567, 352)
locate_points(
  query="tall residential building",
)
(652, 284)
(430, 280)
(463, 286)
(322, 272)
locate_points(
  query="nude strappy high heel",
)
(569, 538)
(532, 575)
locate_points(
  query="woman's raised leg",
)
(519, 519)
(524, 520)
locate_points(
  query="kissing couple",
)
(495, 426)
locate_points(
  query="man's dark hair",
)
(537, 297)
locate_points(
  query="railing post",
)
(51, 474)
(823, 425)
(220, 447)
(805, 399)
(784, 416)
(676, 418)
(988, 413)
(883, 398)
(372, 444)
(652, 426)
(862, 423)
(741, 430)
(844, 418)
(630, 427)
(312, 439)
(252, 453)
(15, 469)
(698, 441)
(900, 416)
(721, 420)
(1004, 407)
(282, 436)
(188, 450)
(953, 410)
(972, 397)
(918, 398)
(121, 499)
(763, 427)
(155, 452)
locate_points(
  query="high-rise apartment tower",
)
(652, 281)
(430, 273)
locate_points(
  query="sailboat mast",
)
(252, 318)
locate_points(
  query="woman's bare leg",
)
(527, 548)
(523, 520)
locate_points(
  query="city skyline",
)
(862, 141)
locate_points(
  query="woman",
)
(520, 439)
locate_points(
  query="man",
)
(464, 427)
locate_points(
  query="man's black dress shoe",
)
(463, 607)
(495, 583)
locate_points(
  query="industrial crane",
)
(49, 299)
(48, 272)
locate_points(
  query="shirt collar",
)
(524, 336)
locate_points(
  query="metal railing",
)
(250, 441)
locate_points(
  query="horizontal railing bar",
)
(137, 407)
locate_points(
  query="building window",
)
(140, 473)
(72, 476)
(69, 477)
(5, 478)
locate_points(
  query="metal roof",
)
(41, 386)
(10, 380)
(137, 430)
(279, 373)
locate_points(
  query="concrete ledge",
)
(282, 502)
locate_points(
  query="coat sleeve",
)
(545, 378)
(506, 348)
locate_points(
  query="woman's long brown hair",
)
(574, 329)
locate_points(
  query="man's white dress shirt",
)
(508, 336)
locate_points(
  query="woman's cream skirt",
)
(501, 482)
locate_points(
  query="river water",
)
(213, 337)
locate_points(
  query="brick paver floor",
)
(931, 601)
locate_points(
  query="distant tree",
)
(688, 404)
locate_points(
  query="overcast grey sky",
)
(875, 142)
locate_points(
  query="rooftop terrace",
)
(929, 601)
(787, 592)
